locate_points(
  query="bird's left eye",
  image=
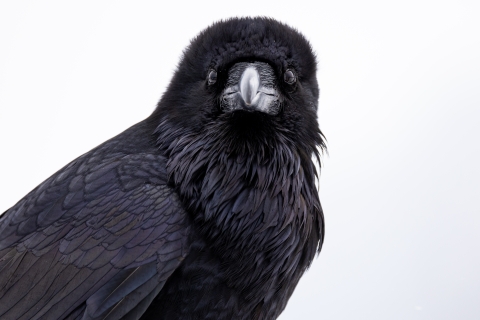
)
(289, 77)
(212, 77)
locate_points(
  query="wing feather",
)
(97, 240)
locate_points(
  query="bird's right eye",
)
(212, 77)
(289, 77)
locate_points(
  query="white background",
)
(399, 105)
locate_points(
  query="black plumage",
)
(207, 209)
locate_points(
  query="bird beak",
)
(251, 87)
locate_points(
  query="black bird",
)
(207, 209)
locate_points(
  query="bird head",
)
(250, 80)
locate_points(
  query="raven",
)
(207, 209)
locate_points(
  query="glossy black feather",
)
(67, 244)
(194, 213)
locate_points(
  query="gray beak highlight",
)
(249, 84)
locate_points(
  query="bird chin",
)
(246, 122)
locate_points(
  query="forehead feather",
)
(251, 38)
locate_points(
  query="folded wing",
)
(97, 240)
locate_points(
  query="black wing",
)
(95, 241)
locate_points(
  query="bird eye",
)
(212, 77)
(289, 77)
